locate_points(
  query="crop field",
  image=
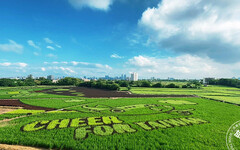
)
(228, 94)
(70, 118)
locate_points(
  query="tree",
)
(123, 83)
(69, 81)
(129, 87)
(171, 85)
(145, 84)
(29, 82)
(8, 82)
(158, 85)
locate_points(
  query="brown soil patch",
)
(17, 147)
(5, 109)
(99, 93)
(18, 103)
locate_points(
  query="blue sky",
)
(169, 38)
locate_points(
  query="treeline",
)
(101, 84)
(225, 82)
(146, 83)
(40, 81)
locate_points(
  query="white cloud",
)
(73, 68)
(51, 55)
(94, 4)
(47, 40)
(5, 64)
(31, 43)
(75, 63)
(68, 70)
(19, 64)
(142, 61)
(116, 56)
(50, 47)
(203, 27)
(108, 67)
(43, 69)
(184, 66)
(36, 53)
(103, 66)
(80, 64)
(12, 46)
(65, 70)
(58, 46)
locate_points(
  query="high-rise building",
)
(123, 77)
(134, 76)
(30, 76)
(50, 77)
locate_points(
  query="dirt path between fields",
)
(18, 103)
(5, 109)
(18, 147)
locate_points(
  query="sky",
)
(184, 39)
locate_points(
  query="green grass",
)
(93, 123)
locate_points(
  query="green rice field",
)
(228, 94)
(77, 122)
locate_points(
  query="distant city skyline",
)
(86, 38)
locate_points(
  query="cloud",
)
(68, 70)
(51, 56)
(184, 66)
(21, 64)
(58, 46)
(205, 28)
(116, 56)
(47, 40)
(5, 64)
(50, 47)
(12, 46)
(31, 43)
(43, 69)
(80, 64)
(142, 61)
(103, 66)
(93, 4)
(64, 70)
(36, 53)
(8, 64)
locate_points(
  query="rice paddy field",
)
(228, 94)
(31, 116)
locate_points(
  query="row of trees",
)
(115, 85)
(102, 84)
(225, 82)
(146, 83)
(40, 81)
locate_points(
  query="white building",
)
(206, 80)
(134, 76)
(54, 81)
